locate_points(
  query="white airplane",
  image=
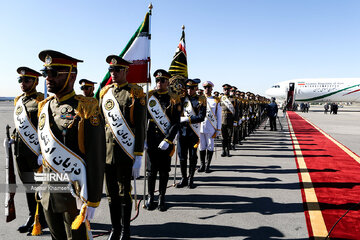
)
(318, 90)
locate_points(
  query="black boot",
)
(228, 151)
(223, 154)
(31, 202)
(164, 177)
(191, 175)
(150, 205)
(115, 222)
(27, 225)
(208, 161)
(202, 161)
(126, 217)
(184, 181)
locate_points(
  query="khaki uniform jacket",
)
(131, 99)
(80, 119)
(226, 115)
(26, 160)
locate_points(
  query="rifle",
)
(10, 179)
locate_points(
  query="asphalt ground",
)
(254, 194)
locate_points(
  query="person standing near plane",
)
(272, 111)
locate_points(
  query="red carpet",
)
(334, 177)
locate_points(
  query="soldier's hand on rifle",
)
(163, 145)
(90, 212)
(184, 119)
(136, 167)
(39, 160)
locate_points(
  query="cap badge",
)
(48, 60)
(22, 72)
(113, 61)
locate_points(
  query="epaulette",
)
(39, 97)
(175, 98)
(151, 92)
(43, 102)
(136, 91)
(202, 100)
(104, 90)
(87, 107)
(17, 98)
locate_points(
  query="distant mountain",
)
(6, 98)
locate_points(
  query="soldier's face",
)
(118, 75)
(191, 90)
(162, 84)
(87, 90)
(55, 80)
(26, 84)
(208, 90)
(226, 91)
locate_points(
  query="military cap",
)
(208, 83)
(55, 58)
(233, 88)
(85, 82)
(116, 61)
(28, 72)
(161, 73)
(237, 91)
(226, 86)
(242, 94)
(192, 82)
(216, 92)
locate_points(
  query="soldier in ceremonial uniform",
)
(209, 128)
(164, 111)
(235, 136)
(200, 92)
(26, 153)
(216, 94)
(229, 113)
(72, 139)
(239, 126)
(87, 87)
(194, 111)
(123, 105)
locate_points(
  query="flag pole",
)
(147, 98)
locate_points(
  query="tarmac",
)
(255, 194)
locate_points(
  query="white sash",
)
(59, 157)
(118, 125)
(210, 115)
(228, 104)
(25, 128)
(158, 114)
(188, 112)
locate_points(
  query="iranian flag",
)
(137, 50)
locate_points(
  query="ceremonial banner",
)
(118, 125)
(25, 128)
(158, 114)
(178, 65)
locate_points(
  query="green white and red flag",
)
(137, 50)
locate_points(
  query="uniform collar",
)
(66, 97)
(165, 92)
(121, 85)
(32, 92)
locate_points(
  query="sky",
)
(251, 44)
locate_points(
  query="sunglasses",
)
(116, 69)
(85, 87)
(25, 79)
(208, 87)
(190, 87)
(162, 80)
(53, 72)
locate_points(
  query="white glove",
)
(240, 121)
(164, 145)
(243, 118)
(90, 211)
(39, 160)
(145, 145)
(136, 167)
(247, 118)
(184, 119)
(235, 124)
